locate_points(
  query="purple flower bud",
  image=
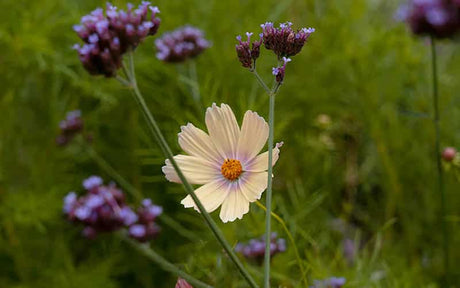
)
(70, 200)
(449, 154)
(279, 72)
(333, 282)
(255, 248)
(128, 216)
(181, 44)
(438, 18)
(92, 182)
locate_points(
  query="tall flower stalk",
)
(284, 42)
(440, 177)
(158, 136)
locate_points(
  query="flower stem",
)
(163, 263)
(158, 136)
(195, 87)
(441, 190)
(291, 239)
(268, 202)
(261, 82)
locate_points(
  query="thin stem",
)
(268, 203)
(291, 239)
(195, 87)
(158, 136)
(261, 82)
(163, 263)
(441, 191)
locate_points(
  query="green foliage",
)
(372, 167)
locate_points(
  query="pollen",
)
(231, 169)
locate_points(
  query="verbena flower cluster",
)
(108, 36)
(439, 18)
(283, 41)
(333, 282)
(70, 127)
(181, 44)
(255, 248)
(103, 209)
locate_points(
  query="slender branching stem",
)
(440, 180)
(158, 136)
(261, 82)
(163, 263)
(293, 243)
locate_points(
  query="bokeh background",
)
(360, 176)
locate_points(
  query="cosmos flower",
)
(225, 162)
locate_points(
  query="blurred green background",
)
(368, 175)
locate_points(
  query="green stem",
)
(158, 136)
(268, 197)
(261, 82)
(195, 88)
(291, 239)
(164, 264)
(441, 190)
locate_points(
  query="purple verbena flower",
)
(69, 127)
(284, 41)
(92, 182)
(248, 52)
(438, 18)
(181, 44)
(279, 72)
(107, 37)
(255, 248)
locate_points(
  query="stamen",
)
(231, 169)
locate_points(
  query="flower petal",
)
(235, 205)
(196, 142)
(211, 195)
(254, 134)
(260, 163)
(223, 129)
(253, 184)
(196, 170)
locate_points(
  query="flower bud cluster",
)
(70, 127)
(103, 209)
(284, 41)
(333, 282)
(278, 72)
(108, 36)
(181, 44)
(255, 248)
(248, 52)
(438, 18)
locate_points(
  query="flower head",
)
(70, 127)
(247, 54)
(103, 209)
(439, 18)
(225, 161)
(255, 248)
(284, 41)
(108, 36)
(181, 44)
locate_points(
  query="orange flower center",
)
(231, 169)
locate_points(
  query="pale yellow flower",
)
(225, 162)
